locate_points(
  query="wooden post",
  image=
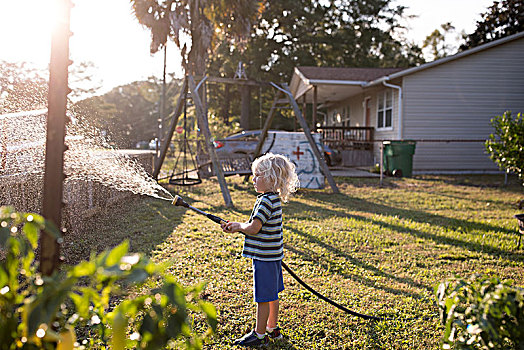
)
(56, 129)
(312, 143)
(167, 137)
(202, 117)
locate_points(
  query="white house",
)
(446, 105)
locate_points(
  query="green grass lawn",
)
(378, 251)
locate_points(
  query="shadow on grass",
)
(327, 265)
(417, 216)
(490, 201)
(479, 181)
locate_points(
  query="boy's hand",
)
(247, 228)
(231, 227)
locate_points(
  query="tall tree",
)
(501, 19)
(294, 33)
(319, 33)
(196, 25)
(437, 44)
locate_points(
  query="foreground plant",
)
(38, 312)
(481, 313)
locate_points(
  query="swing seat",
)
(183, 178)
(234, 164)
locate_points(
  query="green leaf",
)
(148, 325)
(84, 268)
(117, 253)
(81, 304)
(211, 313)
(31, 231)
(35, 316)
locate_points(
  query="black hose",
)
(219, 220)
(334, 303)
(304, 284)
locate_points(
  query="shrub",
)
(506, 146)
(481, 313)
(42, 312)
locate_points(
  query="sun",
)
(26, 28)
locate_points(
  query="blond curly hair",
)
(279, 171)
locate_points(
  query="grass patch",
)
(378, 251)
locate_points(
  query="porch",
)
(355, 143)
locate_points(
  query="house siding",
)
(457, 100)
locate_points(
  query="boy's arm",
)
(249, 228)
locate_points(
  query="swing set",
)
(192, 166)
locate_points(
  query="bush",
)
(481, 313)
(506, 146)
(42, 312)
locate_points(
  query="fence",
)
(346, 137)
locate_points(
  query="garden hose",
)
(178, 201)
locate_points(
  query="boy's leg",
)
(273, 314)
(262, 317)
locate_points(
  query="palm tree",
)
(195, 25)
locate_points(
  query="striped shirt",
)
(268, 243)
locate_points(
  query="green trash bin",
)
(398, 157)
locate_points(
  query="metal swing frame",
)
(182, 178)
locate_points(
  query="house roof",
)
(447, 59)
(338, 83)
(330, 80)
(342, 73)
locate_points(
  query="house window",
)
(385, 109)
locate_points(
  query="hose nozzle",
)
(178, 201)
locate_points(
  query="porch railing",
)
(347, 137)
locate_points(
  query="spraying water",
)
(88, 157)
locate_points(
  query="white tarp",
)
(295, 146)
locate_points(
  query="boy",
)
(274, 177)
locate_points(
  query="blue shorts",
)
(267, 280)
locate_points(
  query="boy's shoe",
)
(252, 340)
(275, 334)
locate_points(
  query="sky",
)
(106, 34)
